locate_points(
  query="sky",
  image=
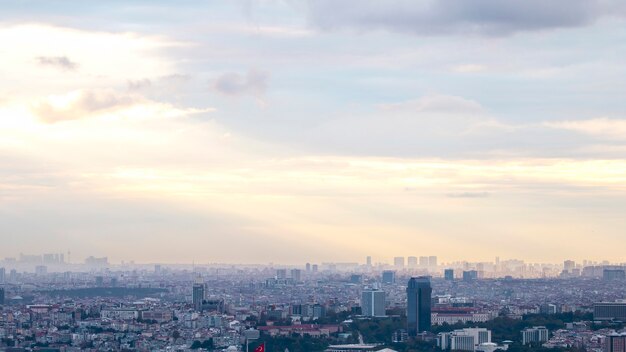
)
(313, 131)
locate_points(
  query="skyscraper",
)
(412, 262)
(389, 277)
(432, 261)
(373, 303)
(398, 262)
(368, 261)
(418, 305)
(198, 296)
(423, 262)
(448, 274)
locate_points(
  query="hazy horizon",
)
(313, 131)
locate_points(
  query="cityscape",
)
(313, 175)
(417, 304)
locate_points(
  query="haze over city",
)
(313, 131)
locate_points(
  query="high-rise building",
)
(398, 262)
(296, 274)
(281, 273)
(1, 296)
(424, 262)
(308, 267)
(610, 310)
(389, 277)
(373, 303)
(470, 275)
(419, 294)
(613, 274)
(536, 334)
(615, 342)
(432, 261)
(448, 274)
(314, 268)
(3, 275)
(569, 265)
(368, 261)
(197, 296)
(412, 262)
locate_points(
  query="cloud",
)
(468, 195)
(79, 104)
(437, 17)
(468, 68)
(254, 83)
(61, 62)
(435, 104)
(599, 127)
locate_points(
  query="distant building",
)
(356, 278)
(373, 303)
(368, 261)
(432, 261)
(399, 336)
(549, 308)
(296, 274)
(41, 270)
(1, 296)
(464, 339)
(424, 262)
(412, 262)
(389, 277)
(197, 296)
(281, 273)
(398, 262)
(536, 334)
(419, 294)
(470, 275)
(93, 261)
(314, 268)
(308, 267)
(615, 342)
(448, 274)
(610, 310)
(614, 274)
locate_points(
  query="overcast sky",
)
(295, 131)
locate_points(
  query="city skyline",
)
(271, 131)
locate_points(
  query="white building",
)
(535, 334)
(463, 340)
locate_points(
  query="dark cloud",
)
(484, 17)
(61, 62)
(254, 83)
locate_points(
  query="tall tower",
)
(198, 296)
(418, 305)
